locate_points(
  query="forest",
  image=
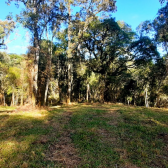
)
(92, 58)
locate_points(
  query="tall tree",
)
(34, 18)
(69, 51)
(107, 46)
(86, 13)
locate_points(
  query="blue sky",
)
(132, 12)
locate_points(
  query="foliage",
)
(6, 27)
(89, 59)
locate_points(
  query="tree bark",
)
(36, 59)
(87, 92)
(146, 97)
(4, 99)
(21, 99)
(17, 99)
(48, 69)
(69, 84)
(13, 99)
(69, 53)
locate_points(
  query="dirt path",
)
(63, 151)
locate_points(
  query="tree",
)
(4, 60)
(94, 58)
(107, 44)
(45, 70)
(37, 16)
(157, 28)
(160, 26)
(86, 13)
(13, 79)
(6, 27)
(157, 80)
(162, 1)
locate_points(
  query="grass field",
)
(84, 135)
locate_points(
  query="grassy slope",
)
(84, 136)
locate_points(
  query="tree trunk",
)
(106, 90)
(22, 89)
(69, 52)
(48, 68)
(58, 76)
(21, 98)
(146, 97)
(79, 98)
(87, 92)
(46, 91)
(134, 100)
(35, 97)
(69, 84)
(35, 78)
(17, 99)
(13, 99)
(4, 99)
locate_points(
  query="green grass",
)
(98, 135)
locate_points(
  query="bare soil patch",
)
(63, 150)
(106, 136)
(25, 108)
(42, 140)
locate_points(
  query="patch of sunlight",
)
(8, 147)
(3, 114)
(160, 110)
(72, 103)
(158, 123)
(11, 150)
(53, 107)
(6, 108)
(33, 114)
(86, 105)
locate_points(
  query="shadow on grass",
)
(24, 137)
(104, 135)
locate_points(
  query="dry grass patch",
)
(63, 152)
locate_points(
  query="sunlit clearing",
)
(53, 107)
(158, 123)
(33, 114)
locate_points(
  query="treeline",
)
(92, 60)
